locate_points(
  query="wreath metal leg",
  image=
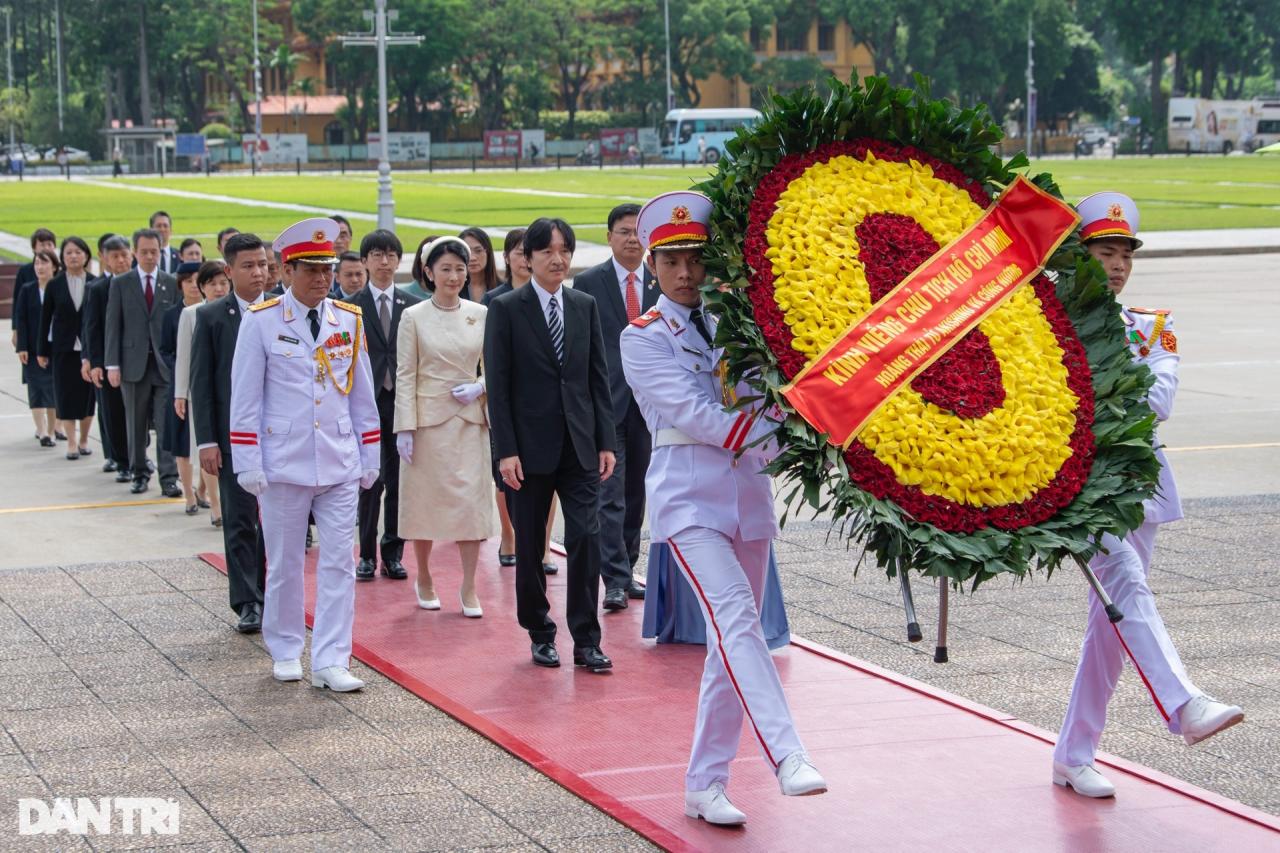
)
(940, 651)
(913, 625)
(1113, 612)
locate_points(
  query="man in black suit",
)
(551, 412)
(162, 224)
(217, 326)
(382, 303)
(136, 305)
(116, 259)
(623, 289)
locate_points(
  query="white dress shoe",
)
(1085, 780)
(336, 678)
(470, 612)
(1203, 717)
(287, 670)
(427, 603)
(713, 806)
(798, 777)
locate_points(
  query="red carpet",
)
(910, 767)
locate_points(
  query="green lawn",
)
(1174, 193)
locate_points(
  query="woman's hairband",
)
(439, 241)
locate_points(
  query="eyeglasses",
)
(379, 256)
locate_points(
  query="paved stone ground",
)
(125, 679)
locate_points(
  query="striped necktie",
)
(556, 328)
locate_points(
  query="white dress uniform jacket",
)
(289, 417)
(1161, 357)
(695, 478)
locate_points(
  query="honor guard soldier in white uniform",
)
(1109, 231)
(306, 435)
(710, 501)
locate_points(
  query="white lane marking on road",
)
(493, 231)
(529, 191)
(15, 245)
(274, 205)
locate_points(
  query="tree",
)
(581, 38)
(1166, 27)
(500, 36)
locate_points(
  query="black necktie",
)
(700, 324)
(313, 317)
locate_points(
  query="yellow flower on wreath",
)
(820, 285)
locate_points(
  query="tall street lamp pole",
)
(57, 41)
(666, 23)
(380, 38)
(1031, 92)
(8, 54)
(257, 89)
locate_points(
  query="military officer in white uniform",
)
(1109, 230)
(306, 437)
(710, 501)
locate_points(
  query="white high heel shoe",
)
(426, 603)
(470, 612)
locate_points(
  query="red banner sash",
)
(930, 311)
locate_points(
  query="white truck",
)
(1205, 126)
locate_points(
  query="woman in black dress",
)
(26, 324)
(59, 345)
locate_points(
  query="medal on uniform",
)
(323, 365)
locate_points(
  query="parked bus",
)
(683, 129)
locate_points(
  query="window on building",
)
(826, 36)
(335, 133)
(793, 39)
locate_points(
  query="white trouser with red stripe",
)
(1140, 637)
(284, 529)
(739, 677)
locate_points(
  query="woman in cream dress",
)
(211, 279)
(441, 425)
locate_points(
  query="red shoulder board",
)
(647, 317)
(1156, 311)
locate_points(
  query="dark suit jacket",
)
(533, 400)
(601, 281)
(217, 326)
(60, 316)
(93, 320)
(25, 275)
(133, 333)
(491, 295)
(26, 320)
(382, 352)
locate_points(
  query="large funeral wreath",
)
(1024, 443)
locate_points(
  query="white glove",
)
(253, 482)
(468, 393)
(369, 477)
(404, 446)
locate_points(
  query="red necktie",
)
(633, 298)
(149, 293)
